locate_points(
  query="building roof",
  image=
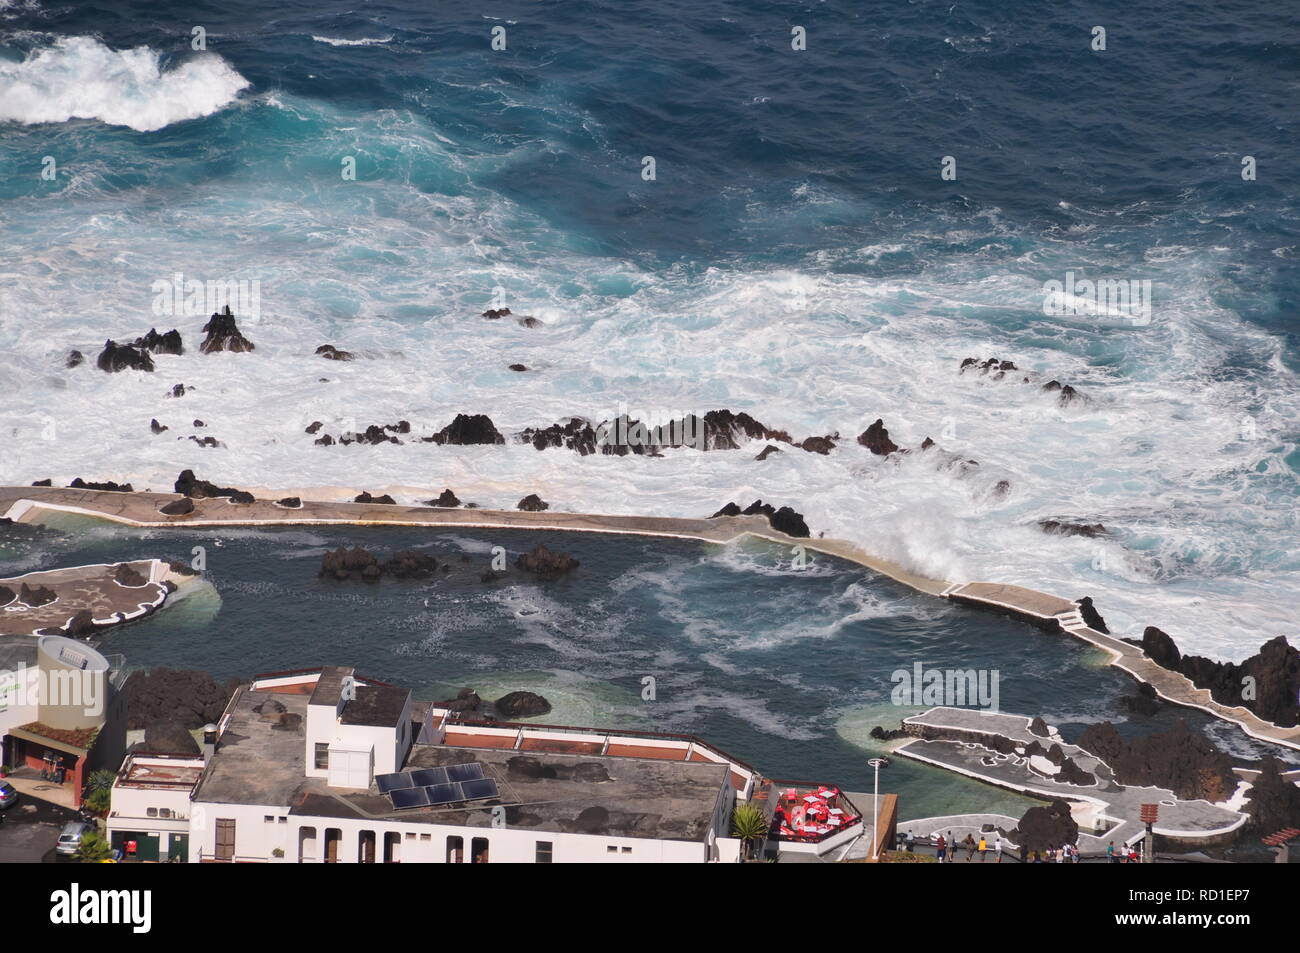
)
(329, 687)
(260, 754)
(552, 793)
(378, 705)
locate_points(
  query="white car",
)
(70, 838)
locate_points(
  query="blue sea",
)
(798, 254)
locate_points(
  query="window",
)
(284, 820)
(164, 812)
(151, 812)
(225, 838)
(455, 850)
(611, 849)
(410, 835)
(478, 850)
(426, 837)
(627, 850)
(322, 755)
(269, 818)
(544, 851)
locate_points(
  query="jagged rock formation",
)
(533, 503)
(74, 359)
(768, 451)
(357, 563)
(169, 343)
(1180, 760)
(468, 429)
(1059, 528)
(331, 353)
(446, 499)
(79, 484)
(521, 705)
(876, 439)
(1091, 616)
(290, 502)
(783, 520)
(169, 737)
(156, 427)
(187, 484)
(186, 697)
(122, 357)
(223, 334)
(126, 575)
(1043, 828)
(1274, 803)
(365, 497)
(181, 507)
(1268, 683)
(542, 562)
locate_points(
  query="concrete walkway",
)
(84, 588)
(25, 503)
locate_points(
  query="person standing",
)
(997, 846)
(940, 848)
(983, 848)
(1110, 853)
(969, 843)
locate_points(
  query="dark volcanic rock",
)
(543, 562)
(33, 598)
(528, 321)
(1161, 649)
(1274, 679)
(876, 439)
(365, 497)
(156, 427)
(822, 445)
(199, 423)
(1274, 803)
(74, 359)
(177, 390)
(1039, 727)
(493, 313)
(467, 700)
(125, 575)
(223, 334)
(190, 698)
(1091, 616)
(786, 520)
(533, 503)
(731, 509)
(518, 368)
(213, 442)
(521, 705)
(7, 595)
(1043, 828)
(768, 451)
(189, 485)
(169, 343)
(1059, 528)
(446, 499)
(169, 737)
(312, 427)
(46, 482)
(1180, 760)
(331, 353)
(1144, 701)
(576, 434)
(758, 508)
(468, 429)
(80, 626)
(410, 564)
(79, 484)
(344, 563)
(121, 357)
(290, 502)
(179, 507)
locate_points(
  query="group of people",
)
(947, 848)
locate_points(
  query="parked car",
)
(70, 839)
(8, 796)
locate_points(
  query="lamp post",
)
(876, 763)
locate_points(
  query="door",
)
(178, 848)
(225, 838)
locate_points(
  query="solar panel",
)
(393, 782)
(410, 797)
(427, 776)
(479, 789)
(444, 793)
(464, 772)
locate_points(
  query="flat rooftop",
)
(160, 773)
(553, 792)
(260, 756)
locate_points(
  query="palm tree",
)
(749, 823)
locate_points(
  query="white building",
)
(291, 778)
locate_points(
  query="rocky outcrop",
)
(1059, 528)
(187, 697)
(528, 321)
(169, 343)
(822, 445)
(46, 482)
(1065, 394)
(331, 353)
(187, 484)
(446, 499)
(466, 701)
(123, 357)
(79, 484)
(731, 509)
(223, 334)
(518, 368)
(1180, 760)
(716, 430)
(410, 564)
(468, 429)
(517, 705)
(35, 596)
(74, 359)
(365, 497)
(1267, 683)
(542, 562)
(1039, 727)
(493, 314)
(1274, 803)
(876, 439)
(169, 737)
(786, 520)
(290, 502)
(178, 390)
(155, 427)
(1091, 616)
(533, 503)
(7, 596)
(1045, 828)
(1144, 701)
(127, 575)
(181, 507)
(768, 451)
(355, 563)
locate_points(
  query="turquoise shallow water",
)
(787, 669)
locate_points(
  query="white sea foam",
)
(81, 78)
(363, 41)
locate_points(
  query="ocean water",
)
(797, 256)
(788, 669)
